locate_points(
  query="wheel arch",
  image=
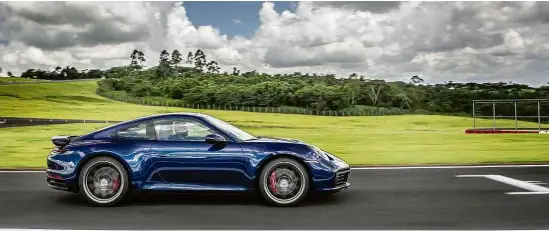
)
(120, 160)
(270, 158)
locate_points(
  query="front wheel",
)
(284, 182)
(103, 181)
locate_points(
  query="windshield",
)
(234, 131)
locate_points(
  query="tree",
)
(164, 68)
(212, 67)
(134, 63)
(190, 58)
(236, 72)
(57, 70)
(70, 73)
(137, 59)
(200, 60)
(10, 74)
(416, 80)
(1, 69)
(375, 87)
(141, 58)
(353, 87)
(164, 58)
(176, 58)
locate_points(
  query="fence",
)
(366, 111)
(514, 102)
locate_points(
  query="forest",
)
(194, 79)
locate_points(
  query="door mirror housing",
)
(215, 139)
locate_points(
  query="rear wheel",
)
(103, 181)
(284, 182)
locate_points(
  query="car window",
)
(181, 129)
(137, 132)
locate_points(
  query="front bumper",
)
(340, 181)
(336, 189)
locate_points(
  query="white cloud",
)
(459, 41)
(237, 21)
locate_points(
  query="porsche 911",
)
(190, 152)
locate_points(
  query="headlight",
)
(320, 152)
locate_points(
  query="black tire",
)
(269, 184)
(102, 165)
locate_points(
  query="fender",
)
(278, 154)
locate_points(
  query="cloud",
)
(370, 6)
(237, 21)
(440, 41)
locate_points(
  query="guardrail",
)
(17, 121)
(47, 81)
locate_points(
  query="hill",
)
(365, 140)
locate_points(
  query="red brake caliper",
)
(272, 182)
(115, 184)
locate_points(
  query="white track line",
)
(527, 193)
(454, 167)
(514, 182)
(187, 230)
(148, 230)
(385, 168)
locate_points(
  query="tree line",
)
(195, 79)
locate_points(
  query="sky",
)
(439, 41)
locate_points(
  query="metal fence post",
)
(539, 117)
(474, 126)
(516, 117)
(494, 115)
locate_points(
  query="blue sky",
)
(221, 15)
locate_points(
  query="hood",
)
(263, 139)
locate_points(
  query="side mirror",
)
(215, 139)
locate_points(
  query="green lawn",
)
(383, 140)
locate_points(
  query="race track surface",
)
(377, 199)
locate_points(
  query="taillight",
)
(54, 176)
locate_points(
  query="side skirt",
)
(192, 187)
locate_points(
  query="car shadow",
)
(203, 199)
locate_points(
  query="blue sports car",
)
(190, 152)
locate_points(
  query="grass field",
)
(383, 140)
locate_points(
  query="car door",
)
(184, 159)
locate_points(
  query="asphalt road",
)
(377, 199)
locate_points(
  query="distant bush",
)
(161, 101)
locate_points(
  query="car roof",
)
(137, 120)
(171, 114)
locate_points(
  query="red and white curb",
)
(487, 131)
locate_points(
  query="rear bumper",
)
(55, 179)
(57, 182)
(60, 173)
